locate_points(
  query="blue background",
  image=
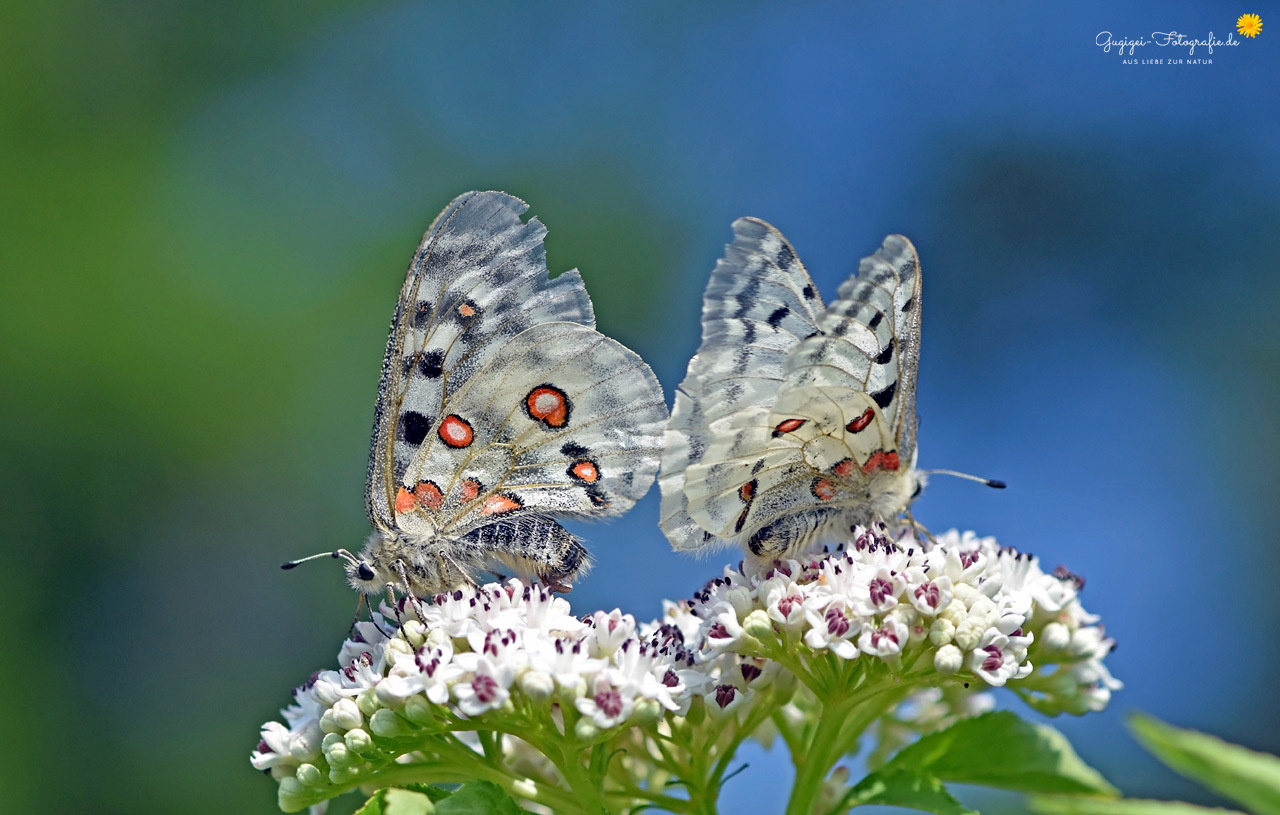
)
(209, 210)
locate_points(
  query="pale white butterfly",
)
(500, 409)
(795, 421)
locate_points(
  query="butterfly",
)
(499, 410)
(795, 421)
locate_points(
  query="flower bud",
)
(358, 741)
(948, 660)
(757, 624)
(415, 631)
(1055, 637)
(367, 701)
(310, 775)
(386, 724)
(536, 685)
(398, 646)
(292, 795)
(941, 631)
(419, 710)
(346, 714)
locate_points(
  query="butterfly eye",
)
(364, 572)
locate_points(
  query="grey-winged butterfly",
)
(500, 409)
(795, 421)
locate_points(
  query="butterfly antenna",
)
(337, 553)
(990, 482)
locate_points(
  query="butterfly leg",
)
(919, 528)
(410, 597)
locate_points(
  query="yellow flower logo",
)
(1250, 25)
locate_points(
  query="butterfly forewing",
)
(759, 303)
(478, 278)
(499, 409)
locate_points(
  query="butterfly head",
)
(364, 573)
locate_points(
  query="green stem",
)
(813, 764)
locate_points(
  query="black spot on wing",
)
(574, 450)
(885, 355)
(785, 257)
(907, 306)
(422, 314)
(432, 364)
(415, 427)
(809, 293)
(884, 397)
(875, 321)
(775, 319)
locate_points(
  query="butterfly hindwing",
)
(563, 421)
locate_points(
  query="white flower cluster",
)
(975, 610)
(938, 616)
(464, 655)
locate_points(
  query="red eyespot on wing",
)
(881, 460)
(455, 431)
(859, 424)
(405, 501)
(467, 310)
(429, 495)
(823, 489)
(788, 426)
(585, 470)
(747, 491)
(499, 503)
(470, 489)
(549, 405)
(844, 468)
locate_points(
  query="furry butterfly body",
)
(795, 421)
(500, 409)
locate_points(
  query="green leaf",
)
(1069, 805)
(1001, 750)
(411, 799)
(1251, 778)
(905, 788)
(478, 798)
(406, 802)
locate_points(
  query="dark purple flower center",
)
(994, 659)
(837, 623)
(881, 590)
(486, 688)
(725, 695)
(929, 594)
(610, 702)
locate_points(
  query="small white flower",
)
(488, 688)
(605, 705)
(993, 659)
(608, 632)
(885, 641)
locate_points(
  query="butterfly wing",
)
(478, 279)
(758, 305)
(838, 438)
(561, 421)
